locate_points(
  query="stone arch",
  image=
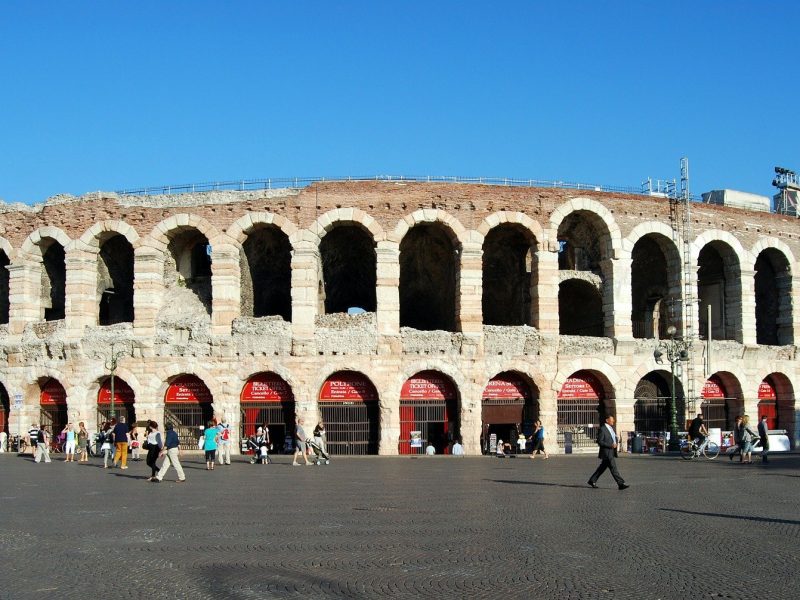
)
(611, 379)
(652, 408)
(93, 237)
(582, 407)
(167, 374)
(30, 247)
(243, 226)
(538, 379)
(509, 274)
(450, 224)
(656, 277)
(265, 266)
(515, 218)
(428, 410)
(785, 403)
(772, 285)
(430, 269)
(721, 412)
(337, 216)
(351, 409)
(597, 209)
(161, 235)
(720, 285)
(348, 261)
(7, 256)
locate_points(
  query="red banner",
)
(348, 386)
(266, 387)
(428, 385)
(766, 391)
(507, 386)
(122, 392)
(582, 385)
(713, 388)
(187, 389)
(53, 393)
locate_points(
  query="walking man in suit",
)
(763, 432)
(607, 440)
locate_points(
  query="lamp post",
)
(676, 352)
(111, 365)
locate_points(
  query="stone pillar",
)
(544, 296)
(305, 296)
(81, 406)
(226, 287)
(617, 303)
(24, 297)
(548, 413)
(388, 298)
(786, 304)
(625, 421)
(390, 421)
(81, 300)
(470, 418)
(743, 317)
(148, 289)
(469, 307)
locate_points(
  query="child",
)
(135, 445)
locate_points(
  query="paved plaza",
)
(438, 527)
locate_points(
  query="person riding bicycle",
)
(697, 431)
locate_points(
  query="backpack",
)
(226, 433)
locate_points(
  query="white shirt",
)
(430, 450)
(613, 433)
(458, 449)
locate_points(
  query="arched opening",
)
(267, 401)
(123, 404)
(722, 402)
(188, 266)
(580, 309)
(52, 409)
(348, 404)
(655, 287)
(115, 281)
(583, 403)
(776, 400)
(652, 410)
(4, 414)
(583, 241)
(4, 287)
(508, 275)
(428, 278)
(719, 286)
(349, 267)
(428, 413)
(509, 407)
(54, 280)
(773, 288)
(266, 271)
(187, 405)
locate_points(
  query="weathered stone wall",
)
(179, 330)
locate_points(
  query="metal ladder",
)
(682, 234)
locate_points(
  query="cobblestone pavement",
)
(374, 527)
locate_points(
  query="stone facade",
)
(470, 281)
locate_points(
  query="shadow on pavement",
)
(541, 483)
(743, 517)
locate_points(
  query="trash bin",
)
(637, 444)
(567, 442)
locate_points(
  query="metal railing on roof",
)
(301, 182)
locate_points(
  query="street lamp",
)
(676, 352)
(111, 365)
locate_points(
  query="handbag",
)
(201, 443)
(146, 445)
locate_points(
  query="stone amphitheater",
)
(402, 313)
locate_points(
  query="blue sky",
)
(114, 95)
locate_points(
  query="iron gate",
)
(431, 419)
(277, 416)
(351, 427)
(651, 415)
(717, 412)
(53, 419)
(581, 417)
(125, 410)
(187, 419)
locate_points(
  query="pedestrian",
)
(224, 450)
(106, 447)
(430, 450)
(171, 453)
(120, 434)
(321, 439)
(83, 443)
(42, 445)
(607, 440)
(763, 433)
(748, 437)
(33, 435)
(135, 445)
(70, 443)
(154, 444)
(538, 440)
(210, 440)
(737, 439)
(457, 449)
(299, 443)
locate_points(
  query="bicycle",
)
(691, 450)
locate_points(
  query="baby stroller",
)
(320, 455)
(259, 444)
